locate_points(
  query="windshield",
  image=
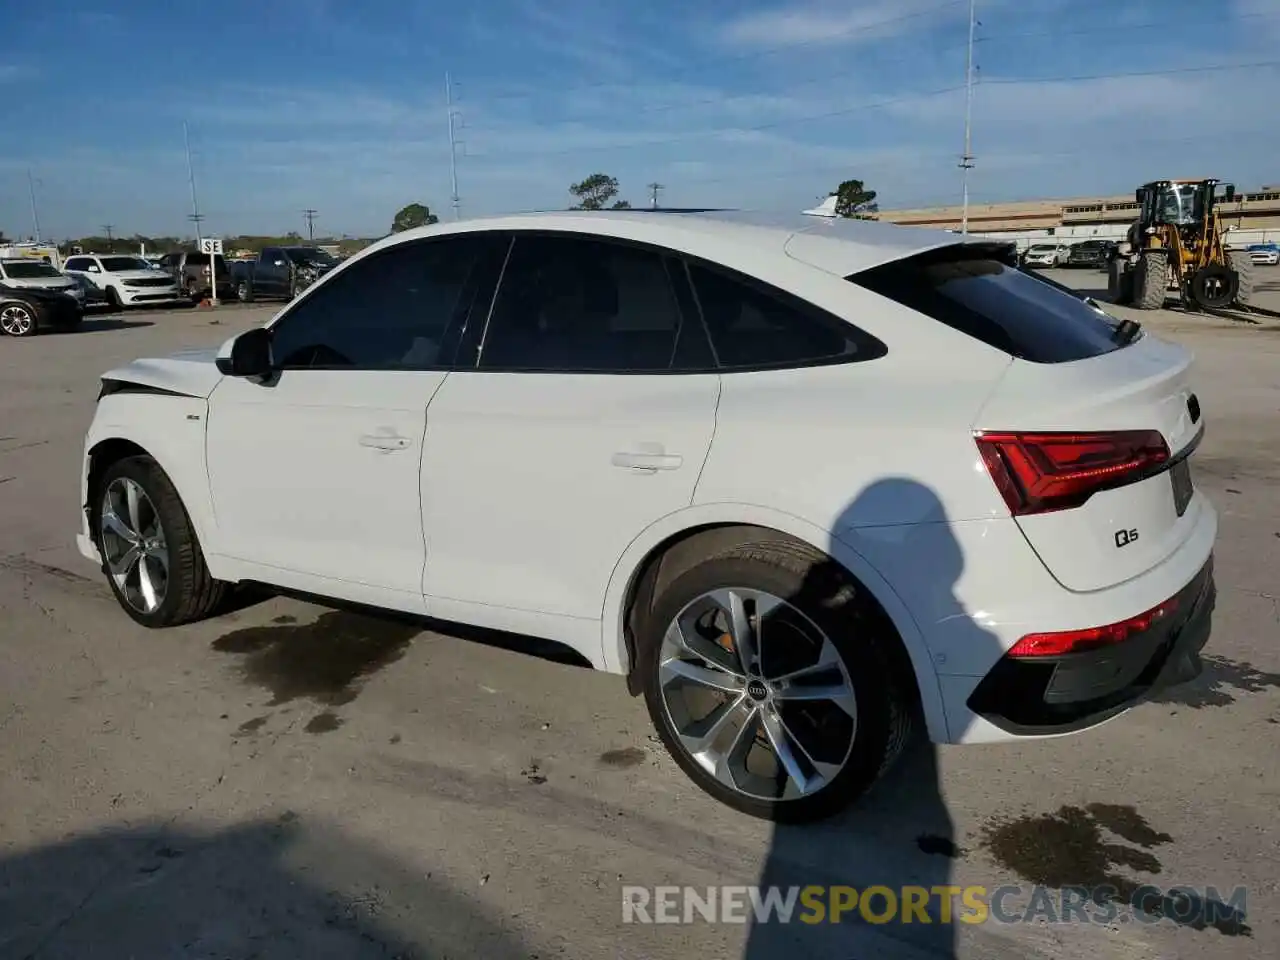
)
(25, 270)
(309, 255)
(1042, 248)
(117, 264)
(1178, 203)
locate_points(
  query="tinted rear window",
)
(974, 290)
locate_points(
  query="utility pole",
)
(453, 145)
(653, 195)
(35, 214)
(111, 246)
(195, 216)
(311, 216)
(966, 161)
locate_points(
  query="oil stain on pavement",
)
(326, 661)
(1071, 849)
(1222, 682)
(625, 757)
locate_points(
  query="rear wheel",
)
(1150, 280)
(768, 678)
(244, 293)
(17, 319)
(1246, 276)
(149, 549)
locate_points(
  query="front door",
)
(575, 433)
(315, 472)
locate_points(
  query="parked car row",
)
(1087, 253)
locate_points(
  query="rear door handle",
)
(647, 462)
(384, 441)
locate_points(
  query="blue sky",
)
(339, 105)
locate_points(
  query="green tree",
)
(854, 200)
(595, 192)
(413, 215)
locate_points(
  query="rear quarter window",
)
(976, 291)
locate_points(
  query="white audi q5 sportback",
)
(801, 482)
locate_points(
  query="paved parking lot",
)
(288, 780)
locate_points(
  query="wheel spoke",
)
(734, 758)
(841, 694)
(779, 742)
(146, 585)
(123, 566)
(112, 523)
(133, 511)
(674, 669)
(828, 659)
(823, 773)
(690, 643)
(160, 555)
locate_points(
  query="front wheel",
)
(17, 319)
(113, 298)
(150, 554)
(244, 293)
(767, 677)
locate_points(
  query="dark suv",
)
(1090, 253)
(191, 270)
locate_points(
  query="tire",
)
(824, 614)
(18, 319)
(1119, 281)
(244, 293)
(113, 298)
(187, 591)
(1150, 279)
(1214, 286)
(1246, 274)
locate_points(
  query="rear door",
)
(588, 418)
(1090, 430)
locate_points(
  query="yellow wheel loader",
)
(1175, 249)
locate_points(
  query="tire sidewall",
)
(836, 609)
(159, 489)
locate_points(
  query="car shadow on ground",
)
(898, 838)
(280, 887)
(92, 324)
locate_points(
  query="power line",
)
(1080, 78)
(1128, 28)
(310, 215)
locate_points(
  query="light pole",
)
(35, 213)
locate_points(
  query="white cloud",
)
(829, 22)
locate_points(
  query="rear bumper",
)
(1039, 696)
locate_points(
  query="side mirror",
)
(248, 355)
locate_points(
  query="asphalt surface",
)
(288, 780)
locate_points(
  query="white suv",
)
(800, 483)
(127, 281)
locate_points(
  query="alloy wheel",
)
(16, 321)
(757, 694)
(134, 546)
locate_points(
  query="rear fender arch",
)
(616, 656)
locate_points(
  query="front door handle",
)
(384, 441)
(647, 462)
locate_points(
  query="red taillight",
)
(1075, 641)
(1039, 472)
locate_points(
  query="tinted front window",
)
(1004, 307)
(577, 304)
(391, 311)
(752, 325)
(77, 263)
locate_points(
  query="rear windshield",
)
(202, 260)
(974, 290)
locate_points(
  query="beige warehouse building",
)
(1252, 210)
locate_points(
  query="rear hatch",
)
(1088, 434)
